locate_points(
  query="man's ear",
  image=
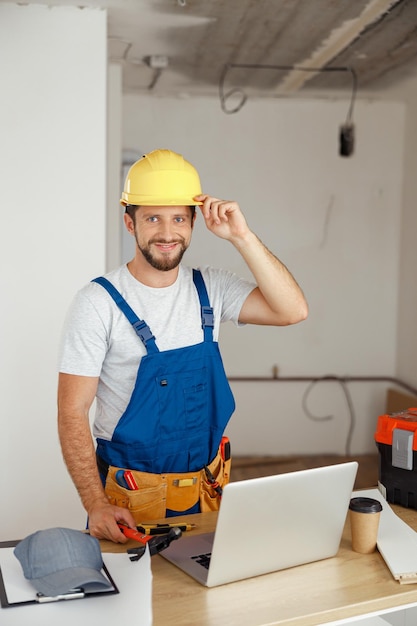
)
(130, 226)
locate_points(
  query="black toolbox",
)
(396, 440)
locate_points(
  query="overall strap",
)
(207, 318)
(141, 328)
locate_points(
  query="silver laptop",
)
(268, 524)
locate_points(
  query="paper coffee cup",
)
(364, 516)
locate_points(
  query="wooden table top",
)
(347, 585)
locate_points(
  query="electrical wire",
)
(232, 92)
(155, 78)
(332, 378)
(349, 402)
(242, 97)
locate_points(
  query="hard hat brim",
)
(146, 201)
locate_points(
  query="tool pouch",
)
(220, 470)
(176, 492)
(146, 503)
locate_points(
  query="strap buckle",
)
(143, 331)
(207, 316)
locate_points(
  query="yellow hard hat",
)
(161, 178)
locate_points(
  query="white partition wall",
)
(52, 239)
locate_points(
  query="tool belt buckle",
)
(184, 482)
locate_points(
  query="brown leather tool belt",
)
(177, 492)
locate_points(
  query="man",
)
(159, 428)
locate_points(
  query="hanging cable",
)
(346, 131)
(224, 96)
(349, 402)
(232, 92)
(343, 381)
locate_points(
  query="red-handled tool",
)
(156, 543)
(131, 533)
(225, 451)
(130, 479)
(213, 482)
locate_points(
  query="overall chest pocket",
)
(182, 402)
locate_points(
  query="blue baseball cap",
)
(56, 560)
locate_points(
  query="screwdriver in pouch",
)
(225, 450)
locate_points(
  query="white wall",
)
(407, 320)
(114, 224)
(334, 221)
(52, 239)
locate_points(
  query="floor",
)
(244, 467)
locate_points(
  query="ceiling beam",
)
(338, 41)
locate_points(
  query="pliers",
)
(156, 543)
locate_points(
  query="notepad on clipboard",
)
(397, 542)
(134, 600)
(16, 591)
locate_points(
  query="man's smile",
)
(163, 255)
(166, 247)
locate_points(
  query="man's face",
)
(163, 234)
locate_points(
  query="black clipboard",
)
(5, 603)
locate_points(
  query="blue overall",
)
(180, 405)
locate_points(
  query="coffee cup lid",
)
(365, 505)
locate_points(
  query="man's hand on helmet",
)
(223, 217)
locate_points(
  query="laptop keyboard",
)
(202, 559)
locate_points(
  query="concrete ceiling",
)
(191, 47)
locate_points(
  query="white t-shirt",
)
(98, 340)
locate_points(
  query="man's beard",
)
(163, 264)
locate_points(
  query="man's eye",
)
(179, 219)
(154, 218)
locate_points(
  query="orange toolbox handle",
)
(405, 420)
